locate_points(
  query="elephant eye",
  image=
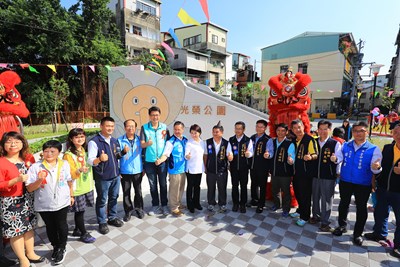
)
(273, 93)
(153, 101)
(303, 92)
(135, 100)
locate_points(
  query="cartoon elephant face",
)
(138, 100)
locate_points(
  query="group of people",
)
(54, 186)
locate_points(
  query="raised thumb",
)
(102, 152)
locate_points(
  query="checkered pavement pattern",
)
(224, 239)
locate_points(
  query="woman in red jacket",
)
(16, 204)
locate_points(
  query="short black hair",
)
(338, 132)
(295, 122)
(52, 143)
(325, 122)
(241, 123)
(360, 124)
(196, 128)
(179, 123)
(219, 126)
(282, 125)
(154, 108)
(125, 122)
(263, 122)
(107, 118)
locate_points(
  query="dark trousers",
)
(253, 186)
(56, 227)
(302, 187)
(220, 180)
(126, 182)
(385, 200)
(157, 174)
(239, 177)
(193, 190)
(281, 184)
(259, 180)
(361, 195)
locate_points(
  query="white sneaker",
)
(210, 208)
(155, 210)
(222, 209)
(165, 210)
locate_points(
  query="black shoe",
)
(358, 241)
(103, 228)
(252, 203)
(6, 262)
(60, 257)
(115, 222)
(127, 216)
(339, 230)
(54, 253)
(199, 207)
(374, 237)
(235, 208)
(76, 232)
(242, 208)
(259, 209)
(191, 210)
(395, 253)
(140, 213)
(40, 260)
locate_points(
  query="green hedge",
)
(37, 146)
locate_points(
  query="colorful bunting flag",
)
(390, 93)
(345, 93)
(359, 95)
(186, 19)
(204, 6)
(52, 67)
(157, 63)
(235, 84)
(107, 67)
(75, 68)
(173, 35)
(150, 67)
(161, 54)
(92, 67)
(262, 87)
(24, 65)
(249, 85)
(158, 57)
(221, 83)
(32, 69)
(168, 48)
(195, 80)
(207, 82)
(3, 65)
(376, 93)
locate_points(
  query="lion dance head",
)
(289, 99)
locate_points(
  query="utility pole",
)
(357, 65)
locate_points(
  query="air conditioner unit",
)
(145, 12)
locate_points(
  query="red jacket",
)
(9, 171)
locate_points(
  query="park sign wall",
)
(134, 90)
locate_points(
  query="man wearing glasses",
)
(360, 161)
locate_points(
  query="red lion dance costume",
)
(288, 100)
(11, 105)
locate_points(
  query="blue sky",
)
(254, 24)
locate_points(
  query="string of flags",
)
(53, 67)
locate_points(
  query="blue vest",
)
(131, 162)
(159, 137)
(106, 170)
(356, 166)
(176, 161)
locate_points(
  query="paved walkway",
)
(230, 239)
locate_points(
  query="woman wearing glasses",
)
(15, 202)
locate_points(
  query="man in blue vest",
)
(323, 184)
(131, 168)
(360, 161)
(103, 154)
(388, 193)
(153, 137)
(175, 153)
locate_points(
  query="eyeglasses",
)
(15, 142)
